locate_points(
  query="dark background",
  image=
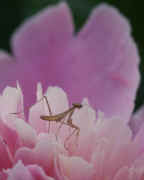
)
(13, 13)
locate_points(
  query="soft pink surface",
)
(104, 150)
(100, 62)
(21, 172)
(136, 122)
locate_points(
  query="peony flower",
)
(104, 149)
(99, 62)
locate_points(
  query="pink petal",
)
(43, 154)
(44, 35)
(5, 161)
(34, 118)
(25, 132)
(109, 157)
(54, 95)
(10, 136)
(137, 121)
(38, 173)
(121, 157)
(85, 118)
(19, 172)
(138, 163)
(113, 129)
(3, 176)
(75, 168)
(123, 173)
(11, 101)
(114, 147)
(38, 46)
(5, 58)
(129, 174)
(7, 63)
(103, 64)
(139, 137)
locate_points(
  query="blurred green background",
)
(13, 13)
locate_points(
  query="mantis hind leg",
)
(70, 124)
(60, 126)
(73, 132)
(76, 130)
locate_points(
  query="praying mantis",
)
(61, 118)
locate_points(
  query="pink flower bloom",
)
(99, 62)
(104, 149)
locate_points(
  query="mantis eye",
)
(77, 105)
(42, 117)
